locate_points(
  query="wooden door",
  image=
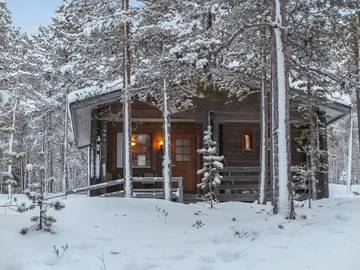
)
(184, 158)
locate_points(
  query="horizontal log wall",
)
(232, 119)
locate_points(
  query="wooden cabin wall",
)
(232, 120)
(297, 158)
(233, 144)
(155, 130)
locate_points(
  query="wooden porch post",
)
(167, 166)
(324, 158)
(92, 152)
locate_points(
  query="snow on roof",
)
(340, 98)
(4, 96)
(335, 96)
(93, 91)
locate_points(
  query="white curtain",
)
(119, 149)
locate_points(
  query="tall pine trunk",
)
(264, 129)
(357, 63)
(282, 189)
(167, 144)
(349, 165)
(127, 109)
(65, 143)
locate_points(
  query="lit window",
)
(140, 150)
(248, 141)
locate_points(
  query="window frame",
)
(120, 157)
(183, 153)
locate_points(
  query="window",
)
(248, 141)
(183, 149)
(140, 150)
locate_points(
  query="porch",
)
(239, 184)
(236, 127)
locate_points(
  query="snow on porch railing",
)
(153, 192)
(89, 188)
(177, 192)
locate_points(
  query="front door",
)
(184, 158)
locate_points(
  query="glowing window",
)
(248, 141)
(140, 150)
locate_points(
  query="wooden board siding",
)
(234, 146)
(154, 129)
(296, 157)
(232, 120)
(234, 117)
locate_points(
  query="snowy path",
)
(132, 235)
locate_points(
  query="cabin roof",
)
(83, 101)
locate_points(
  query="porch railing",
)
(151, 187)
(239, 184)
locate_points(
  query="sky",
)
(30, 14)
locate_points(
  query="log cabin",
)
(96, 118)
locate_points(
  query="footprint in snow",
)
(208, 259)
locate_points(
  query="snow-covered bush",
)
(212, 165)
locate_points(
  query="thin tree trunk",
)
(43, 158)
(127, 109)
(264, 130)
(357, 62)
(167, 144)
(312, 145)
(349, 165)
(65, 143)
(283, 202)
(50, 163)
(11, 141)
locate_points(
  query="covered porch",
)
(98, 127)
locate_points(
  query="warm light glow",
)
(133, 140)
(158, 141)
(247, 142)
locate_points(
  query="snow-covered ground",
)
(136, 234)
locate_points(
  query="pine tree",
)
(282, 190)
(212, 165)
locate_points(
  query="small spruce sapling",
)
(43, 221)
(212, 165)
